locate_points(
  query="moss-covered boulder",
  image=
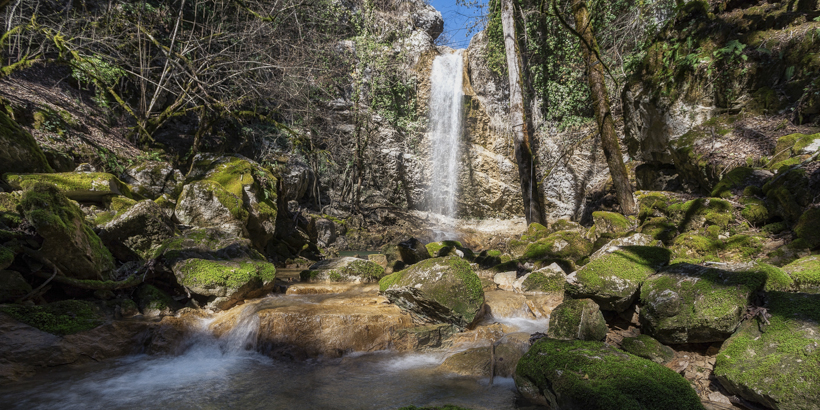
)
(696, 248)
(595, 376)
(694, 304)
(562, 247)
(448, 248)
(79, 186)
(412, 251)
(808, 227)
(439, 290)
(577, 319)
(60, 318)
(152, 179)
(610, 225)
(10, 216)
(154, 302)
(6, 256)
(218, 268)
(347, 269)
(776, 362)
(549, 279)
(755, 211)
(805, 272)
(613, 280)
(534, 232)
(138, 231)
(12, 285)
(615, 245)
(20, 151)
(789, 193)
(68, 241)
(648, 348)
(702, 212)
(792, 145)
(253, 184)
(206, 204)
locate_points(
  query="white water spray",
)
(445, 131)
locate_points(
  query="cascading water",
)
(445, 131)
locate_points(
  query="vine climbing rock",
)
(69, 243)
(577, 319)
(776, 362)
(439, 290)
(591, 375)
(20, 151)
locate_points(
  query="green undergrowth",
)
(60, 318)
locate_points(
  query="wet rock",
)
(440, 290)
(613, 280)
(592, 375)
(687, 303)
(346, 269)
(502, 304)
(152, 179)
(550, 279)
(577, 319)
(508, 351)
(68, 242)
(412, 251)
(776, 363)
(20, 151)
(79, 186)
(423, 337)
(648, 348)
(141, 229)
(471, 362)
(12, 286)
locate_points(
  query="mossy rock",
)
(613, 280)
(698, 248)
(776, 364)
(808, 227)
(534, 232)
(6, 257)
(433, 248)
(347, 269)
(774, 228)
(701, 212)
(140, 230)
(659, 228)
(20, 151)
(154, 302)
(12, 284)
(206, 204)
(611, 225)
(438, 290)
(79, 186)
(805, 272)
(412, 251)
(788, 194)
(226, 283)
(577, 319)
(69, 242)
(595, 376)
(60, 318)
(564, 246)
(444, 407)
(791, 145)
(9, 209)
(153, 179)
(687, 303)
(648, 348)
(755, 211)
(732, 181)
(550, 279)
(654, 204)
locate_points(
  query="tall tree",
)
(600, 101)
(533, 206)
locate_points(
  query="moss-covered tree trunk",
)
(533, 206)
(603, 115)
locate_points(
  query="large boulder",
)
(549, 279)
(12, 286)
(610, 225)
(412, 251)
(68, 242)
(776, 361)
(566, 248)
(139, 230)
(577, 319)
(534, 232)
(427, 18)
(346, 269)
(595, 376)
(613, 279)
(206, 204)
(152, 179)
(20, 151)
(648, 348)
(220, 269)
(439, 290)
(694, 304)
(79, 186)
(251, 183)
(805, 272)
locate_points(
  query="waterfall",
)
(445, 131)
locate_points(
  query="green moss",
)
(9, 212)
(790, 145)
(774, 228)
(776, 278)
(20, 150)
(201, 272)
(630, 263)
(781, 362)
(565, 245)
(732, 180)
(435, 248)
(808, 227)
(60, 318)
(6, 257)
(152, 298)
(654, 204)
(755, 211)
(592, 375)
(537, 281)
(647, 347)
(75, 185)
(390, 280)
(508, 266)
(234, 174)
(697, 247)
(806, 273)
(494, 253)
(713, 211)
(659, 228)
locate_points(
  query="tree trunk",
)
(603, 115)
(533, 207)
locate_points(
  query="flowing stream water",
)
(230, 372)
(445, 131)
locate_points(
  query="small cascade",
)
(445, 131)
